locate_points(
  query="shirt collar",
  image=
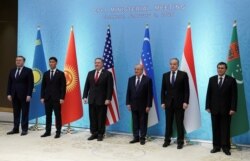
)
(53, 70)
(223, 76)
(100, 71)
(140, 77)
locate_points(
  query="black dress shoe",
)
(180, 146)
(142, 142)
(100, 138)
(57, 135)
(227, 152)
(215, 150)
(165, 144)
(134, 141)
(45, 135)
(92, 137)
(24, 133)
(12, 132)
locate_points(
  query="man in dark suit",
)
(19, 92)
(139, 101)
(98, 89)
(174, 99)
(53, 91)
(221, 102)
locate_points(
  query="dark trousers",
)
(20, 106)
(140, 122)
(50, 106)
(178, 114)
(221, 131)
(97, 118)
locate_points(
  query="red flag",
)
(72, 107)
(192, 119)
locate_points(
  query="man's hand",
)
(163, 106)
(9, 98)
(129, 107)
(61, 101)
(231, 112)
(208, 110)
(42, 100)
(28, 99)
(85, 100)
(107, 102)
(185, 106)
(147, 109)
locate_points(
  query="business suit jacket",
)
(54, 89)
(98, 92)
(21, 86)
(221, 100)
(142, 97)
(179, 93)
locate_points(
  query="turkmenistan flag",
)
(240, 123)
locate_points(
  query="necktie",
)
(96, 76)
(173, 78)
(137, 83)
(51, 74)
(220, 82)
(18, 72)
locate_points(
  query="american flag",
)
(146, 60)
(113, 108)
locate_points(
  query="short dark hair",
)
(175, 59)
(99, 59)
(20, 56)
(53, 58)
(222, 63)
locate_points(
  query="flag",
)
(39, 67)
(192, 118)
(113, 108)
(146, 60)
(240, 123)
(72, 107)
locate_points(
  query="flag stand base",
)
(36, 127)
(149, 138)
(69, 130)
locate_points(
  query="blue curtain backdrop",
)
(211, 23)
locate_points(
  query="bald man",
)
(139, 102)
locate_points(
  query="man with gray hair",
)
(174, 100)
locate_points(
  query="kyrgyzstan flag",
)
(72, 107)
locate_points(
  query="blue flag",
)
(146, 60)
(39, 67)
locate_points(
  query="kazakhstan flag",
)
(39, 67)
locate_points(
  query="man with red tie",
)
(98, 93)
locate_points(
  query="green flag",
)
(240, 123)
